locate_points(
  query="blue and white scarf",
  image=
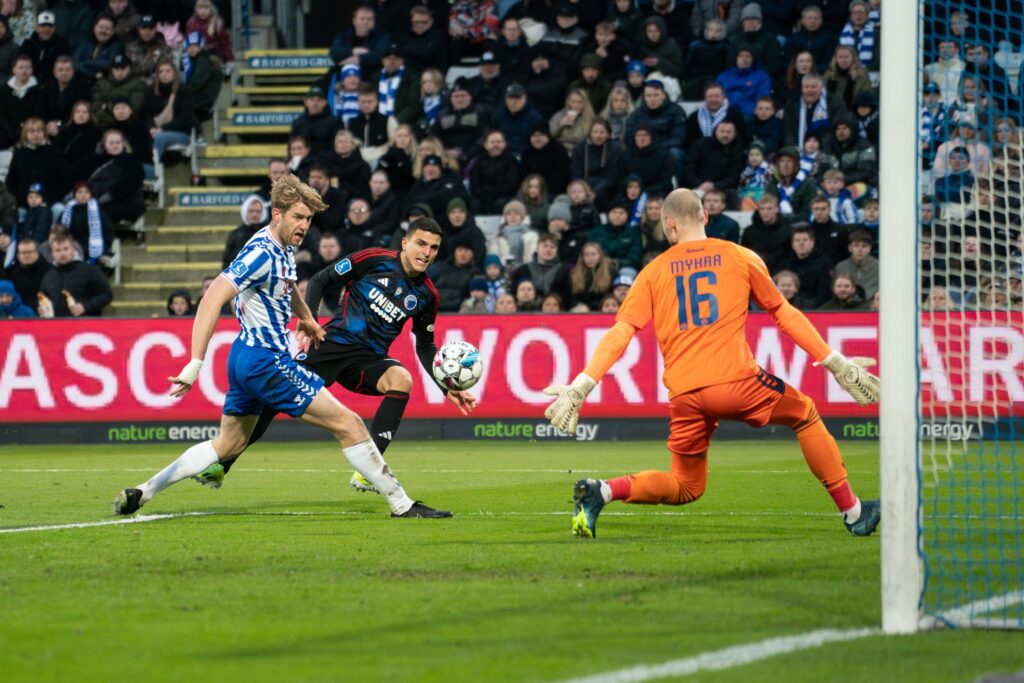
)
(785, 192)
(707, 120)
(863, 42)
(875, 18)
(932, 123)
(639, 206)
(344, 104)
(187, 67)
(95, 226)
(755, 176)
(388, 90)
(431, 108)
(819, 119)
(841, 208)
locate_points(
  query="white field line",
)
(140, 519)
(737, 655)
(973, 610)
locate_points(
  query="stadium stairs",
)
(185, 239)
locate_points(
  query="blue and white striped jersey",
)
(264, 274)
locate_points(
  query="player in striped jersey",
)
(261, 371)
(383, 290)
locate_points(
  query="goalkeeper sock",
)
(366, 460)
(387, 418)
(191, 462)
(853, 514)
(618, 488)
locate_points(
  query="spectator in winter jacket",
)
(865, 109)
(545, 268)
(200, 74)
(763, 43)
(861, 267)
(425, 44)
(846, 76)
(621, 242)
(116, 179)
(674, 13)
(571, 124)
(706, 57)
(88, 224)
(592, 82)
(546, 157)
(38, 217)
(744, 83)
(169, 109)
(147, 49)
(255, 213)
(766, 128)
(856, 156)
(663, 119)
(460, 227)
(545, 81)
(714, 109)
(819, 41)
(726, 11)
(93, 57)
(813, 110)
(769, 233)
(716, 162)
(564, 37)
(345, 164)
(8, 48)
(830, 238)
(859, 33)
(362, 44)
(19, 100)
(834, 189)
(370, 127)
(516, 118)
(216, 36)
(37, 161)
(650, 161)
(658, 51)
(316, 123)
(488, 87)
(452, 276)
(461, 125)
(330, 219)
(811, 267)
(72, 288)
(512, 50)
(494, 175)
(612, 51)
(790, 183)
(119, 82)
(844, 296)
(397, 90)
(28, 270)
(11, 305)
(436, 188)
(124, 16)
(60, 93)
(44, 46)
(719, 225)
(598, 160)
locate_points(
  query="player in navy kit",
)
(382, 290)
(261, 371)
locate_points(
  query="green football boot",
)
(361, 484)
(212, 476)
(586, 495)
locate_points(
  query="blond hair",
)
(684, 206)
(289, 191)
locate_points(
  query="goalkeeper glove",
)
(564, 411)
(852, 375)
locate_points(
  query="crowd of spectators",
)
(91, 88)
(577, 120)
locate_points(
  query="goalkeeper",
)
(697, 293)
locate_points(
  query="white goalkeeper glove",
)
(852, 375)
(564, 411)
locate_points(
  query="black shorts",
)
(356, 368)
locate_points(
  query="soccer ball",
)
(457, 365)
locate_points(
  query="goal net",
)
(955, 553)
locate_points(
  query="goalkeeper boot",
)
(586, 495)
(212, 476)
(870, 516)
(418, 509)
(361, 484)
(128, 502)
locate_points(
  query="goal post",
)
(951, 328)
(902, 575)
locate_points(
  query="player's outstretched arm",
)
(219, 293)
(851, 373)
(564, 411)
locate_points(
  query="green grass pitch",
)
(291, 576)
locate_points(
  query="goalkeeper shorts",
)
(694, 415)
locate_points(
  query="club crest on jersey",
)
(343, 266)
(239, 269)
(301, 356)
(410, 302)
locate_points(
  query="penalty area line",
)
(737, 655)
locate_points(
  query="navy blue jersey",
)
(378, 298)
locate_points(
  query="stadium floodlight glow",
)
(951, 331)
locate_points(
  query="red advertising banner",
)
(117, 370)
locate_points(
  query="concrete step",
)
(191, 235)
(201, 215)
(232, 171)
(138, 309)
(157, 291)
(257, 151)
(256, 130)
(272, 94)
(187, 252)
(189, 196)
(170, 272)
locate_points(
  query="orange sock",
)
(683, 484)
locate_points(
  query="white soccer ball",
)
(457, 365)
